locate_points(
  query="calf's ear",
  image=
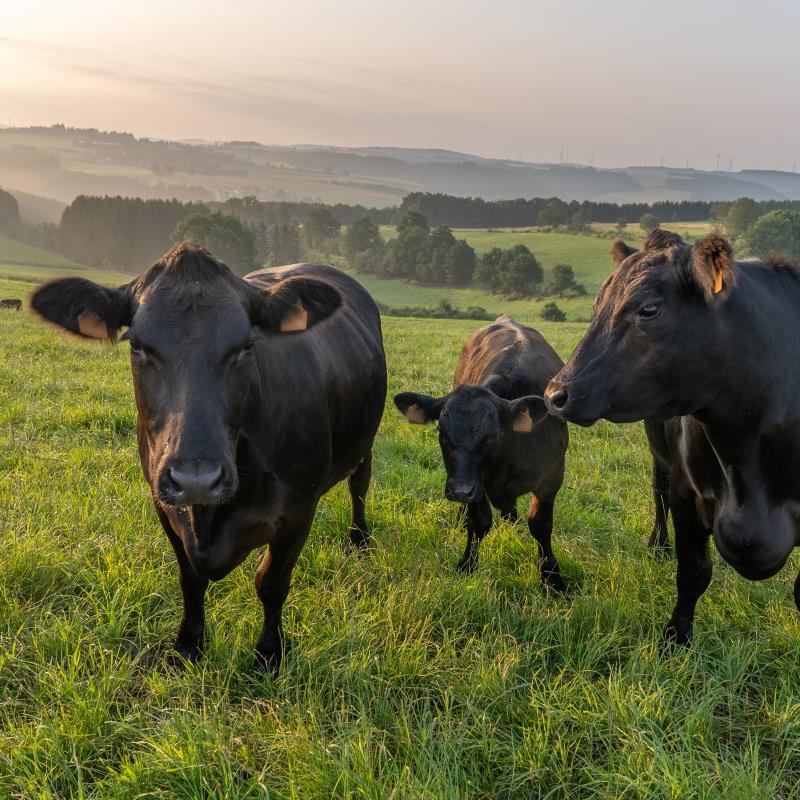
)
(295, 304)
(84, 308)
(712, 265)
(526, 412)
(620, 251)
(418, 408)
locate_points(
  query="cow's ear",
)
(84, 308)
(620, 251)
(296, 304)
(526, 412)
(418, 408)
(712, 265)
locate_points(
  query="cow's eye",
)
(649, 311)
(138, 352)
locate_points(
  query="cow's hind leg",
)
(273, 579)
(189, 641)
(508, 511)
(477, 521)
(540, 524)
(358, 483)
(659, 537)
(797, 591)
(694, 567)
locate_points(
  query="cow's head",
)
(472, 420)
(650, 348)
(195, 330)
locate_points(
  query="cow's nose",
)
(462, 492)
(556, 396)
(196, 483)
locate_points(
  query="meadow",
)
(406, 679)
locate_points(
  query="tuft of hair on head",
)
(620, 251)
(712, 264)
(192, 261)
(662, 240)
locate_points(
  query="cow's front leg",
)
(189, 641)
(694, 567)
(797, 591)
(273, 578)
(540, 525)
(477, 521)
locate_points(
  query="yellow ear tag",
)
(718, 283)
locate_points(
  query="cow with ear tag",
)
(254, 397)
(707, 344)
(496, 437)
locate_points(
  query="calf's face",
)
(195, 330)
(472, 421)
(649, 348)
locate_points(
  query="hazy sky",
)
(619, 82)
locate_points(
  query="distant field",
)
(406, 680)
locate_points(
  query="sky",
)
(608, 83)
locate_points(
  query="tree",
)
(563, 281)
(412, 219)
(361, 236)
(649, 222)
(520, 272)
(555, 212)
(552, 313)
(320, 225)
(741, 215)
(9, 210)
(432, 266)
(487, 270)
(778, 231)
(283, 243)
(577, 222)
(459, 263)
(224, 236)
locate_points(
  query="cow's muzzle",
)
(197, 482)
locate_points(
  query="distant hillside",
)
(61, 163)
(35, 209)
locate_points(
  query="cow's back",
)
(328, 382)
(514, 358)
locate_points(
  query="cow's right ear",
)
(296, 304)
(418, 408)
(84, 308)
(620, 251)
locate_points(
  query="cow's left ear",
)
(295, 304)
(526, 412)
(712, 265)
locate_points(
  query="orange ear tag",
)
(718, 283)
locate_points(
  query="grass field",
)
(406, 679)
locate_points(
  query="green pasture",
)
(406, 679)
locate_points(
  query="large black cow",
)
(706, 344)
(254, 397)
(497, 440)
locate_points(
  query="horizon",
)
(557, 86)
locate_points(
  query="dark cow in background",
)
(497, 440)
(254, 397)
(709, 345)
(11, 303)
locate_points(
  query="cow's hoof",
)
(359, 538)
(554, 583)
(676, 636)
(184, 653)
(467, 565)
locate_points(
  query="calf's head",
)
(650, 349)
(472, 422)
(195, 330)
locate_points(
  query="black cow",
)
(11, 303)
(254, 396)
(706, 344)
(497, 440)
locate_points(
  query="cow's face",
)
(471, 422)
(195, 331)
(650, 347)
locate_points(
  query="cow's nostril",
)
(559, 398)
